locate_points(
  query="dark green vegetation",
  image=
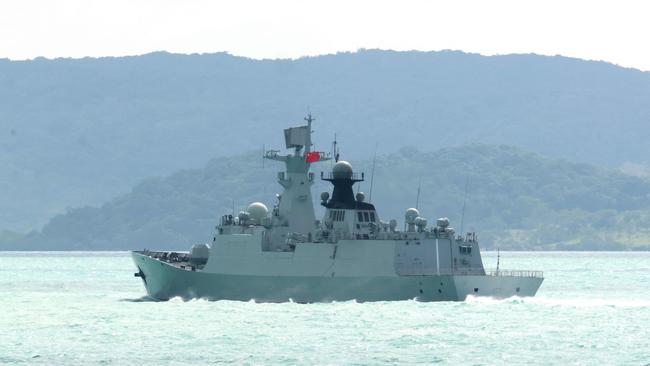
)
(80, 132)
(515, 200)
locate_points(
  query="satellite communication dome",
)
(257, 211)
(342, 170)
(442, 222)
(360, 197)
(411, 214)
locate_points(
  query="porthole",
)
(475, 289)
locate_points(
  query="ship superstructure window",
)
(366, 216)
(465, 249)
(337, 215)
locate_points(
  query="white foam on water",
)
(576, 302)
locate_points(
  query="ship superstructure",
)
(350, 253)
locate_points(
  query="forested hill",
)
(515, 200)
(79, 132)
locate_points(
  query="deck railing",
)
(514, 273)
(469, 272)
(330, 176)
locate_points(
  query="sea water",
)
(88, 308)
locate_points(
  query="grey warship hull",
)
(350, 254)
(164, 281)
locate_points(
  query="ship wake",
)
(560, 302)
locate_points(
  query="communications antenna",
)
(417, 200)
(462, 215)
(498, 260)
(372, 174)
(335, 152)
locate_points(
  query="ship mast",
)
(295, 207)
(309, 120)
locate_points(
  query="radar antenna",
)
(335, 151)
(462, 215)
(372, 174)
(309, 120)
(417, 200)
(498, 260)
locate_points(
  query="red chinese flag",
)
(312, 157)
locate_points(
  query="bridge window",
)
(366, 216)
(337, 215)
(465, 249)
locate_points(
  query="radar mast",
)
(295, 207)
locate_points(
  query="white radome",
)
(411, 214)
(342, 170)
(257, 211)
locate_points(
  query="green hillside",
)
(77, 132)
(515, 200)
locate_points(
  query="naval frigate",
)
(287, 254)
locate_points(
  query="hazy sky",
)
(615, 31)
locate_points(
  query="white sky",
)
(614, 31)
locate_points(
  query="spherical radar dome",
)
(411, 214)
(342, 170)
(257, 211)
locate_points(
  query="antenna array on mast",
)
(417, 200)
(372, 174)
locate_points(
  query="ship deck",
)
(180, 260)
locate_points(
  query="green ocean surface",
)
(86, 308)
